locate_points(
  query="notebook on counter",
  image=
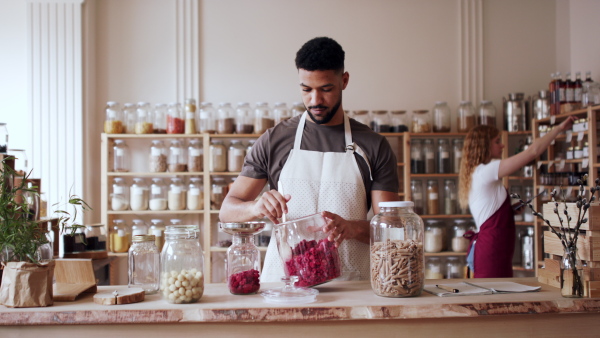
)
(477, 288)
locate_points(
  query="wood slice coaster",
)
(120, 295)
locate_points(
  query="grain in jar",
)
(138, 195)
(195, 156)
(177, 160)
(362, 116)
(466, 119)
(158, 195)
(138, 227)
(206, 119)
(281, 112)
(244, 118)
(144, 119)
(119, 199)
(113, 122)
(380, 121)
(434, 236)
(399, 121)
(459, 242)
(441, 117)
(217, 193)
(119, 240)
(195, 194)
(225, 118)
(444, 165)
(235, 156)
(450, 198)
(486, 113)
(218, 156)
(175, 119)
(190, 116)
(417, 157)
(433, 268)
(176, 195)
(157, 160)
(429, 150)
(263, 119)
(432, 198)
(157, 228)
(421, 121)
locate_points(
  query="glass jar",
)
(433, 268)
(113, 123)
(466, 117)
(195, 194)
(144, 264)
(73, 240)
(432, 198)
(138, 227)
(138, 195)
(460, 243)
(586, 150)
(244, 119)
(144, 119)
(176, 195)
(450, 198)
(569, 154)
(362, 116)
(441, 117)
(175, 221)
(160, 118)
(175, 119)
(486, 113)
(218, 156)
(457, 151)
(516, 190)
(380, 121)
(397, 236)
(158, 195)
(281, 112)
(235, 156)
(577, 153)
(190, 116)
(3, 138)
(429, 150)
(206, 121)
(399, 121)
(250, 145)
(527, 212)
(417, 157)
(177, 160)
(119, 199)
(298, 108)
(454, 268)
(527, 249)
(571, 274)
(195, 156)
(444, 164)
(95, 235)
(129, 118)
(157, 161)
(434, 236)
(156, 229)
(421, 121)
(119, 240)
(263, 119)
(217, 193)
(182, 265)
(225, 119)
(416, 190)
(243, 265)
(121, 159)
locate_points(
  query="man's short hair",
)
(321, 53)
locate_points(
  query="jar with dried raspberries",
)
(396, 247)
(243, 265)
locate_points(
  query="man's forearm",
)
(236, 210)
(363, 233)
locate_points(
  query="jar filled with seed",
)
(244, 118)
(113, 123)
(176, 195)
(195, 194)
(195, 156)
(205, 122)
(190, 116)
(263, 118)
(235, 156)
(144, 119)
(281, 112)
(422, 121)
(158, 159)
(218, 156)
(119, 199)
(158, 195)
(138, 195)
(177, 160)
(218, 191)
(225, 119)
(159, 121)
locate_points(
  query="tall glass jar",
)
(263, 119)
(433, 198)
(244, 119)
(195, 155)
(433, 269)
(298, 108)
(177, 160)
(113, 123)
(175, 119)
(243, 265)
(195, 194)
(206, 121)
(399, 121)
(235, 156)
(466, 117)
(362, 116)
(454, 268)
(144, 264)
(397, 235)
(459, 242)
(176, 195)
(441, 117)
(156, 229)
(157, 161)
(434, 236)
(527, 212)
(380, 121)
(225, 119)
(138, 193)
(421, 121)
(158, 195)
(144, 119)
(95, 236)
(160, 118)
(417, 157)
(486, 113)
(129, 118)
(217, 193)
(444, 164)
(190, 116)
(571, 274)
(121, 158)
(416, 190)
(119, 240)
(119, 199)
(429, 150)
(182, 265)
(218, 156)
(516, 190)
(450, 200)
(281, 112)
(457, 145)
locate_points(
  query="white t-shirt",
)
(487, 192)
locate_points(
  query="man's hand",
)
(340, 229)
(272, 205)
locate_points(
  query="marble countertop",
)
(336, 301)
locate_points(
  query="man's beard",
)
(327, 116)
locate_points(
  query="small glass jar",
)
(244, 119)
(225, 119)
(176, 195)
(281, 112)
(119, 199)
(586, 150)
(113, 123)
(144, 264)
(119, 240)
(459, 242)
(217, 193)
(263, 119)
(190, 116)
(429, 150)
(380, 121)
(121, 158)
(158, 195)
(416, 190)
(138, 195)
(243, 265)
(434, 237)
(218, 156)
(417, 157)
(138, 227)
(175, 119)
(177, 160)
(157, 161)
(298, 108)
(433, 268)
(206, 120)
(95, 235)
(144, 120)
(577, 153)
(450, 199)
(569, 153)
(466, 117)
(362, 116)
(516, 190)
(457, 145)
(486, 113)
(129, 118)
(235, 156)
(160, 118)
(195, 194)
(182, 265)
(433, 198)
(399, 121)
(195, 156)
(397, 236)
(421, 121)
(527, 212)
(73, 240)
(444, 160)
(441, 117)
(156, 229)
(454, 268)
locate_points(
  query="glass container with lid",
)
(235, 156)
(432, 197)
(298, 108)
(144, 119)
(176, 195)
(177, 160)
(454, 268)
(281, 112)
(195, 194)
(362, 116)
(144, 264)
(486, 113)
(218, 156)
(158, 195)
(138, 227)
(195, 156)
(156, 229)
(73, 240)
(175, 119)
(244, 119)
(466, 117)
(119, 239)
(138, 195)
(119, 199)
(460, 243)
(457, 145)
(190, 116)
(429, 150)
(380, 121)
(182, 265)
(444, 164)
(397, 236)
(160, 118)
(433, 268)
(113, 123)
(157, 161)
(441, 117)
(121, 158)
(225, 118)
(263, 119)
(129, 118)
(421, 121)
(399, 121)
(434, 236)
(95, 235)
(206, 121)
(217, 193)
(417, 157)
(450, 198)
(416, 190)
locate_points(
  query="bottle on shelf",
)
(421, 121)
(433, 268)
(362, 116)
(486, 113)
(195, 194)
(119, 199)
(235, 156)
(160, 118)
(158, 195)
(444, 164)
(129, 118)
(416, 188)
(218, 156)
(244, 119)
(217, 192)
(121, 158)
(380, 121)
(175, 119)
(450, 200)
(432, 198)
(156, 229)
(177, 160)
(119, 240)
(569, 89)
(441, 117)
(434, 236)
(577, 88)
(459, 242)
(205, 121)
(195, 156)
(190, 116)
(466, 117)
(454, 268)
(225, 118)
(144, 119)
(138, 193)
(138, 227)
(430, 165)
(263, 118)
(399, 121)
(527, 249)
(176, 195)
(457, 145)
(113, 123)
(281, 112)
(95, 235)
(417, 157)
(157, 161)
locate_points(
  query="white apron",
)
(323, 181)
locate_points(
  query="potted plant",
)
(27, 279)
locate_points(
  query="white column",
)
(471, 14)
(55, 144)
(188, 61)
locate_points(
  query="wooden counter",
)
(341, 307)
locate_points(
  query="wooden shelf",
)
(158, 174)
(154, 212)
(519, 133)
(441, 135)
(560, 117)
(446, 216)
(221, 249)
(519, 178)
(525, 224)
(434, 175)
(444, 254)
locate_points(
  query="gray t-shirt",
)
(271, 150)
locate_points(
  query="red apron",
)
(495, 244)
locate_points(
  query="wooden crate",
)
(593, 215)
(588, 245)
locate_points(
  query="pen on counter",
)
(449, 289)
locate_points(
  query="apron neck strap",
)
(347, 132)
